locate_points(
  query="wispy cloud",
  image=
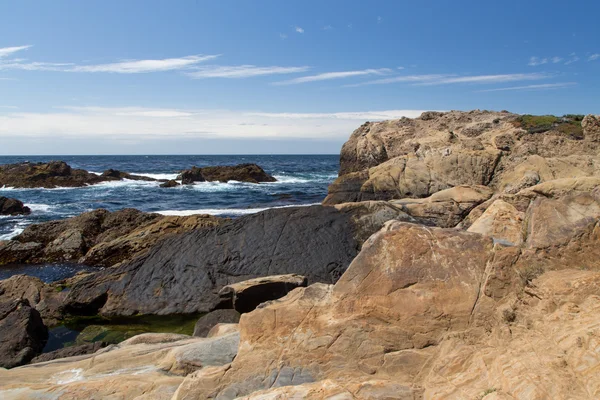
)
(572, 58)
(144, 66)
(6, 51)
(334, 75)
(556, 59)
(327, 27)
(299, 29)
(242, 71)
(448, 79)
(535, 61)
(283, 36)
(543, 86)
(594, 57)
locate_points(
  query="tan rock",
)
(501, 221)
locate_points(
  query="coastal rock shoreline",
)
(456, 256)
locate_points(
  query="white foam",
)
(288, 179)
(123, 183)
(156, 176)
(39, 207)
(225, 211)
(17, 230)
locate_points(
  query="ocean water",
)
(301, 180)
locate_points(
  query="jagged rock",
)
(22, 333)
(445, 208)
(70, 351)
(415, 158)
(10, 206)
(245, 296)
(113, 174)
(169, 184)
(591, 127)
(99, 237)
(243, 173)
(46, 299)
(46, 175)
(213, 318)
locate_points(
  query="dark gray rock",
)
(10, 206)
(208, 321)
(22, 333)
(224, 173)
(184, 273)
(169, 184)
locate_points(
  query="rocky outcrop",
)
(415, 158)
(184, 273)
(71, 351)
(245, 296)
(99, 237)
(46, 175)
(251, 173)
(169, 184)
(113, 174)
(22, 332)
(46, 299)
(10, 206)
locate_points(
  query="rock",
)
(213, 318)
(113, 174)
(245, 296)
(99, 237)
(71, 351)
(445, 208)
(183, 273)
(46, 175)
(243, 173)
(223, 329)
(10, 206)
(47, 299)
(591, 127)
(502, 221)
(22, 333)
(169, 184)
(415, 158)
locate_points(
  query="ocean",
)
(301, 180)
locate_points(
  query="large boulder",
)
(10, 206)
(251, 173)
(213, 318)
(99, 237)
(22, 333)
(245, 296)
(47, 299)
(184, 273)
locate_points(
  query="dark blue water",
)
(301, 180)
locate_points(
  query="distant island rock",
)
(251, 173)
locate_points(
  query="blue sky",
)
(149, 77)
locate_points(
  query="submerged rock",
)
(169, 184)
(9, 206)
(251, 173)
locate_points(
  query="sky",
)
(277, 77)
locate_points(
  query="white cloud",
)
(6, 51)
(556, 59)
(543, 86)
(448, 79)
(334, 75)
(20, 64)
(299, 30)
(140, 123)
(594, 57)
(402, 79)
(144, 66)
(573, 58)
(535, 61)
(283, 36)
(242, 71)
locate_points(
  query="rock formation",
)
(46, 175)
(99, 237)
(10, 206)
(251, 173)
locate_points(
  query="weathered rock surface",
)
(245, 296)
(22, 332)
(184, 273)
(243, 173)
(10, 206)
(415, 158)
(213, 318)
(46, 299)
(169, 184)
(98, 237)
(113, 174)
